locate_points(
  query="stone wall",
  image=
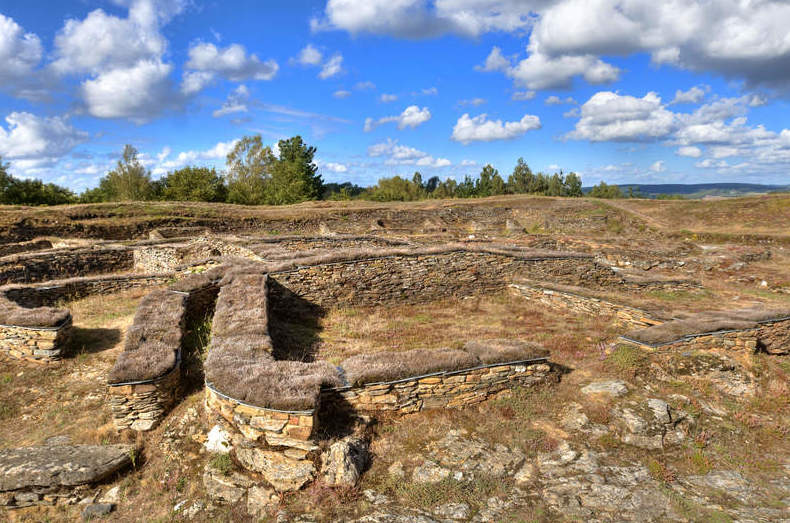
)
(50, 265)
(15, 248)
(37, 344)
(586, 305)
(441, 390)
(140, 406)
(274, 428)
(424, 277)
(53, 292)
(770, 336)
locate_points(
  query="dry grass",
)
(154, 339)
(389, 366)
(706, 322)
(13, 314)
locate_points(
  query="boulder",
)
(283, 473)
(613, 388)
(60, 465)
(225, 488)
(344, 462)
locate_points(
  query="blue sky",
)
(626, 91)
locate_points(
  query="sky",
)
(624, 91)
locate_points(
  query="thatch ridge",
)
(391, 366)
(154, 339)
(505, 350)
(706, 322)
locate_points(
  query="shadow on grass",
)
(294, 324)
(91, 341)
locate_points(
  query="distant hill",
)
(700, 190)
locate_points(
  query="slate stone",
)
(61, 465)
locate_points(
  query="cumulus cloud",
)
(31, 141)
(608, 116)
(386, 98)
(412, 116)
(396, 154)
(556, 100)
(422, 19)
(20, 54)
(309, 55)
(481, 129)
(341, 94)
(523, 96)
(236, 102)
(334, 167)
(231, 62)
(184, 158)
(692, 96)
(567, 38)
(364, 86)
(332, 67)
(139, 92)
(689, 151)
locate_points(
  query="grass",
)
(627, 361)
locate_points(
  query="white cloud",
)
(310, 56)
(386, 98)
(193, 82)
(692, 96)
(608, 116)
(396, 154)
(335, 167)
(333, 67)
(236, 102)
(495, 61)
(217, 153)
(523, 96)
(341, 94)
(481, 129)
(474, 102)
(364, 86)
(412, 116)
(468, 163)
(658, 167)
(556, 100)
(422, 19)
(430, 91)
(689, 151)
(231, 62)
(103, 41)
(20, 53)
(32, 141)
(139, 92)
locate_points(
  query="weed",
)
(660, 471)
(222, 463)
(627, 360)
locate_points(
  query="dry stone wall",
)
(50, 265)
(587, 305)
(440, 390)
(37, 344)
(413, 278)
(140, 406)
(772, 337)
(52, 292)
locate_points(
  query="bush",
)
(198, 184)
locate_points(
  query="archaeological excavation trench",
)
(284, 405)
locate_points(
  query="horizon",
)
(659, 96)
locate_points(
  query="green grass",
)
(627, 360)
(221, 463)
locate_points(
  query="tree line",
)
(255, 175)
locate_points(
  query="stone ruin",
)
(278, 405)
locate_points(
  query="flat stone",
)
(222, 488)
(259, 499)
(455, 511)
(284, 474)
(429, 472)
(217, 440)
(613, 388)
(62, 465)
(111, 496)
(660, 410)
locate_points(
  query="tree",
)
(432, 183)
(129, 181)
(573, 185)
(31, 192)
(556, 186)
(485, 183)
(199, 184)
(605, 191)
(249, 171)
(521, 179)
(394, 189)
(295, 176)
(446, 189)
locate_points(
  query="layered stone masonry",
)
(423, 277)
(586, 305)
(140, 406)
(771, 336)
(43, 345)
(61, 263)
(440, 390)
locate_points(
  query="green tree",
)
(295, 176)
(521, 179)
(485, 182)
(198, 184)
(573, 185)
(249, 171)
(394, 189)
(446, 189)
(556, 185)
(31, 192)
(602, 190)
(129, 181)
(539, 184)
(466, 189)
